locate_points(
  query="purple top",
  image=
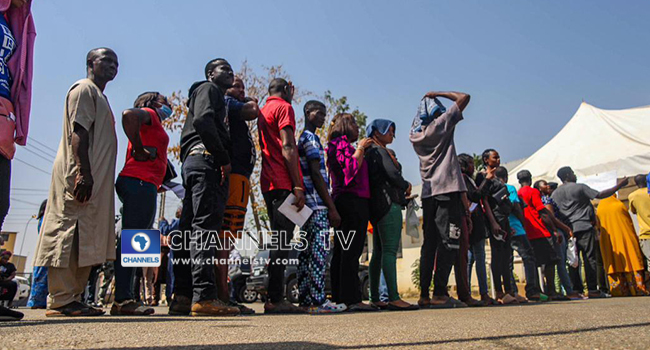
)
(345, 174)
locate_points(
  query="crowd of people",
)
(349, 182)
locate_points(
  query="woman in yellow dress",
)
(619, 245)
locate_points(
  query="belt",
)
(199, 151)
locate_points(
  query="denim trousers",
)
(521, 244)
(562, 272)
(477, 254)
(139, 210)
(201, 218)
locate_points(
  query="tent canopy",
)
(595, 141)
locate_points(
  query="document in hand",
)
(291, 211)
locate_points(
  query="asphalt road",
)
(617, 323)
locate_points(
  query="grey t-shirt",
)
(574, 202)
(434, 145)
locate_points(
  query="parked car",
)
(259, 279)
(22, 294)
(238, 277)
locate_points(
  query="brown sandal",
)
(74, 309)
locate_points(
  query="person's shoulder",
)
(511, 188)
(84, 86)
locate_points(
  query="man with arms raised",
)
(443, 197)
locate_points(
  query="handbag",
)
(7, 129)
(170, 173)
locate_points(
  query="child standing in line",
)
(313, 260)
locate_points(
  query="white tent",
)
(595, 141)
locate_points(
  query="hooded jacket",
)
(206, 122)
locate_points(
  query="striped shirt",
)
(310, 148)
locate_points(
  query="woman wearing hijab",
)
(388, 192)
(620, 249)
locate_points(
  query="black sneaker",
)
(283, 307)
(244, 310)
(7, 314)
(180, 306)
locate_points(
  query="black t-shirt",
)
(7, 269)
(242, 152)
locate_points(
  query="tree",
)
(256, 87)
(340, 105)
(256, 83)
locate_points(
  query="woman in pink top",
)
(351, 192)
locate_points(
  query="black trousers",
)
(442, 217)
(501, 255)
(12, 289)
(139, 211)
(5, 185)
(282, 233)
(587, 245)
(202, 216)
(344, 269)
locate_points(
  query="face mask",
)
(165, 112)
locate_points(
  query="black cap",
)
(524, 174)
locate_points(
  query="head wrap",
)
(381, 125)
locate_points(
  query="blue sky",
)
(527, 65)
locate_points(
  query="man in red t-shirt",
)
(280, 177)
(537, 223)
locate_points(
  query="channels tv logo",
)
(140, 248)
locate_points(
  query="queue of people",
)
(352, 181)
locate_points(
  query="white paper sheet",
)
(291, 212)
(601, 181)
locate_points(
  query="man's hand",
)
(83, 187)
(300, 198)
(571, 234)
(431, 94)
(225, 173)
(624, 182)
(141, 155)
(496, 229)
(408, 191)
(470, 224)
(334, 218)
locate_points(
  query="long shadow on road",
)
(121, 320)
(319, 346)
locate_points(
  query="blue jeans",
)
(521, 244)
(139, 210)
(563, 274)
(477, 253)
(383, 289)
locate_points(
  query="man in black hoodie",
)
(205, 142)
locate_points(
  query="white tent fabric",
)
(595, 141)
